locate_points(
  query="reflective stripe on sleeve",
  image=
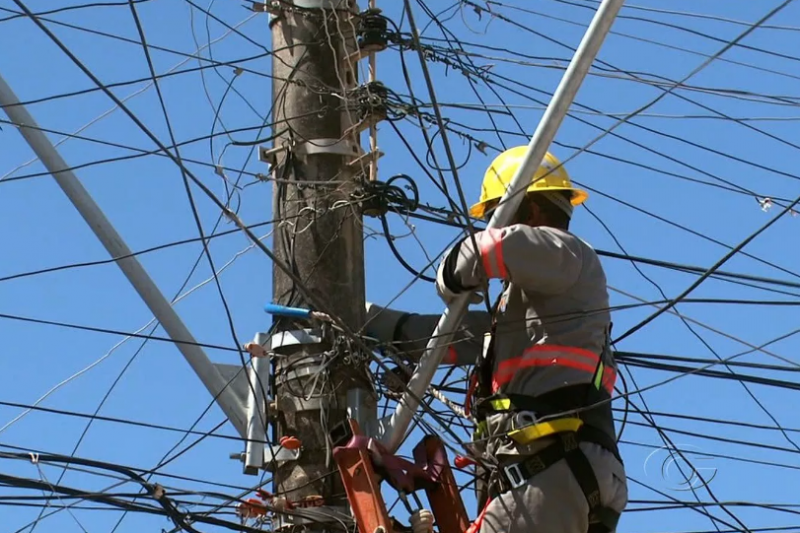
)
(491, 250)
(451, 357)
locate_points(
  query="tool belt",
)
(550, 405)
(568, 433)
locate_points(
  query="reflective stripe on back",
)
(562, 364)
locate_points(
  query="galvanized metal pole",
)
(393, 431)
(257, 396)
(130, 266)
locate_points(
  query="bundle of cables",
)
(382, 197)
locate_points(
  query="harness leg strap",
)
(601, 518)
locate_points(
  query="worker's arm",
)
(537, 259)
(410, 332)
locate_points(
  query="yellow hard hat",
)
(498, 178)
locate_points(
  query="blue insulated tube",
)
(282, 310)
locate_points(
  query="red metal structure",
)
(364, 463)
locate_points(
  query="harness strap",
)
(602, 519)
(561, 400)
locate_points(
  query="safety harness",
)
(568, 432)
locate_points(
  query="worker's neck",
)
(543, 222)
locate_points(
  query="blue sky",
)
(145, 199)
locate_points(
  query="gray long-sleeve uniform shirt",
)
(552, 323)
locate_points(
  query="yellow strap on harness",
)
(528, 434)
(503, 404)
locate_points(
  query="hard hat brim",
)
(578, 197)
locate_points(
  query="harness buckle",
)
(514, 475)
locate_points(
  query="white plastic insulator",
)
(422, 521)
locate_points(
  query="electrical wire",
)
(456, 55)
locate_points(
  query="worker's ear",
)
(527, 211)
(536, 213)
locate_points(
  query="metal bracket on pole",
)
(311, 365)
(313, 518)
(275, 7)
(343, 147)
(319, 4)
(293, 338)
(257, 397)
(127, 262)
(394, 432)
(277, 453)
(273, 453)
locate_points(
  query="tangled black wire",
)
(384, 196)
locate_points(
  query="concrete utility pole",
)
(314, 163)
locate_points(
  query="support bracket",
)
(314, 516)
(275, 7)
(294, 338)
(258, 394)
(343, 147)
(273, 453)
(311, 365)
(319, 4)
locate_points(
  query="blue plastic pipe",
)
(282, 310)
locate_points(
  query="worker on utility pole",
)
(543, 376)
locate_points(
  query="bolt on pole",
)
(394, 430)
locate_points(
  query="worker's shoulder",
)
(562, 236)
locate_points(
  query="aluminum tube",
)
(257, 394)
(394, 430)
(129, 265)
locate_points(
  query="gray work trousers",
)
(553, 502)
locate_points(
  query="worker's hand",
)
(421, 521)
(446, 293)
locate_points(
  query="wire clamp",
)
(342, 147)
(371, 100)
(380, 197)
(273, 453)
(294, 337)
